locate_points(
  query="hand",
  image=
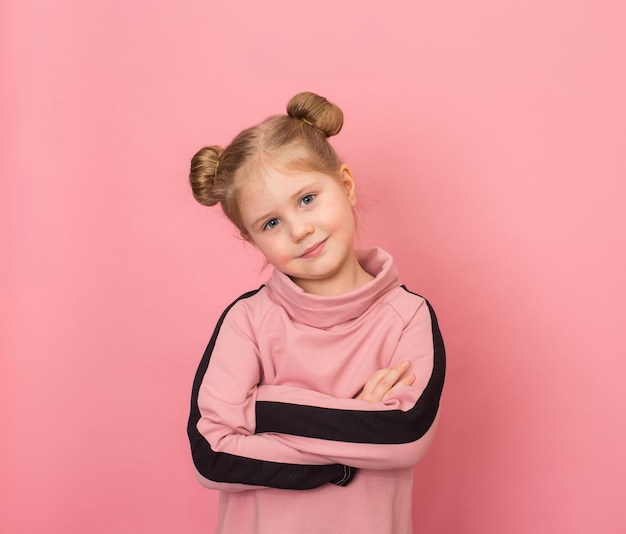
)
(385, 382)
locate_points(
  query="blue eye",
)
(270, 224)
(307, 199)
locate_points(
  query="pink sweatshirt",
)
(274, 424)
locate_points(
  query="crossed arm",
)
(280, 436)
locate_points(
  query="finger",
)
(382, 381)
(367, 393)
(379, 384)
(406, 381)
(390, 378)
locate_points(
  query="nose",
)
(301, 229)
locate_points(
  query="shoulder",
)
(407, 304)
(248, 307)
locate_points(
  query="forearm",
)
(346, 420)
(243, 462)
(374, 456)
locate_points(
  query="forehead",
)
(276, 186)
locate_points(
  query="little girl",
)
(318, 391)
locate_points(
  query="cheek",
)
(337, 214)
(347, 219)
(270, 247)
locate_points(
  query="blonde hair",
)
(293, 141)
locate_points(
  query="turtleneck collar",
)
(324, 312)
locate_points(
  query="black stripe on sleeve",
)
(224, 467)
(383, 427)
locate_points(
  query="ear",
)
(346, 178)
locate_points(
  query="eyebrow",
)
(297, 194)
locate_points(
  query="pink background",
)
(489, 141)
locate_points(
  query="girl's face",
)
(303, 222)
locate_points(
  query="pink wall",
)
(489, 142)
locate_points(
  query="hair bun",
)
(203, 174)
(317, 111)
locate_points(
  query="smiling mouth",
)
(314, 250)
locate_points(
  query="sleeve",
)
(226, 452)
(391, 434)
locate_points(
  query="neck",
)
(352, 277)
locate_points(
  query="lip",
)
(316, 249)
